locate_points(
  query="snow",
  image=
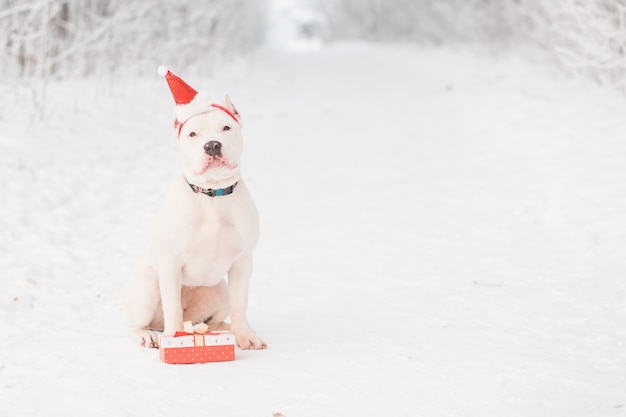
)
(441, 236)
(294, 25)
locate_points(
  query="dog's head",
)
(209, 135)
(211, 146)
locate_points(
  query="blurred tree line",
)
(76, 38)
(589, 35)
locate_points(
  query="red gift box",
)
(196, 347)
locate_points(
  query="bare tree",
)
(74, 38)
(592, 38)
(41, 40)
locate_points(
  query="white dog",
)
(207, 229)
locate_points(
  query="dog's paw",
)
(249, 340)
(146, 338)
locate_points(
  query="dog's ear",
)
(176, 129)
(231, 107)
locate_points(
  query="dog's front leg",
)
(170, 284)
(238, 282)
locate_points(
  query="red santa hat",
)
(189, 102)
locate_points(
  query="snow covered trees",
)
(588, 35)
(73, 38)
(69, 38)
(592, 38)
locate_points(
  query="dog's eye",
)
(226, 128)
(192, 135)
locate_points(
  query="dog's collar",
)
(210, 191)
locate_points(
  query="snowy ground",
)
(442, 235)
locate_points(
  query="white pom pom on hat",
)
(162, 70)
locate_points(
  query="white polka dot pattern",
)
(218, 347)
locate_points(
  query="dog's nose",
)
(212, 147)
